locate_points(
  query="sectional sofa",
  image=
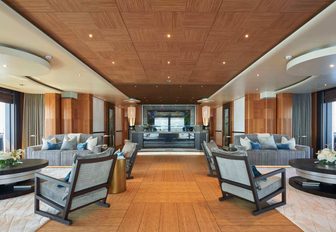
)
(273, 157)
(62, 157)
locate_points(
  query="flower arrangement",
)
(10, 158)
(326, 156)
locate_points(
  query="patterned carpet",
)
(309, 212)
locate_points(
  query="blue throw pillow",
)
(255, 146)
(82, 146)
(283, 146)
(120, 153)
(54, 146)
(256, 173)
(66, 179)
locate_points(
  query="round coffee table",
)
(19, 179)
(311, 170)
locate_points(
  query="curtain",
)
(33, 119)
(302, 113)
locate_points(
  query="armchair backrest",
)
(232, 166)
(93, 170)
(208, 147)
(234, 173)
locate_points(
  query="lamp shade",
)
(206, 115)
(131, 111)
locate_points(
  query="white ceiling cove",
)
(269, 73)
(67, 73)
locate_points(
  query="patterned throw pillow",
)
(291, 143)
(81, 146)
(45, 143)
(69, 144)
(91, 143)
(246, 143)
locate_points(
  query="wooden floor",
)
(172, 193)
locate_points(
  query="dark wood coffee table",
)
(310, 169)
(19, 179)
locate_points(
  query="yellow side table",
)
(118, 184)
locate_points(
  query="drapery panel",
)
(302, 116)
(33, 119)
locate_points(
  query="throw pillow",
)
(77, 136)
(255, 146)
(81, 146)
(255, 171)
(291, 142)
(246, 143)
(54, 146)
(283, 146)
(128, 149)
(45, 143)
(69, 144)
(91, 143)
(267, 142)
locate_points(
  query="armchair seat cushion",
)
(269, 186)
(56, 194)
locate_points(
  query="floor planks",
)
(172, 193)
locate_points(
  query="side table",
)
(118, 184)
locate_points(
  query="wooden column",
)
(260, 114)
(52, 114)
(138, 116)
(67, 115)
(199, 119)
(76, 114)
(284, 113)
(83, 117)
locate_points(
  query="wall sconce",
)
(131, 113)
(206, 116)
(206, 111)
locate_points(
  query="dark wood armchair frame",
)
(131, 163)
(62, 217)
(261, 204)
(209, 159)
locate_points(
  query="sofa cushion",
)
(91, 143)
(267, 142)
(269, 186)
(246, 143)
(255, 146)
(282, 146)
(291, 142)
(53, 156)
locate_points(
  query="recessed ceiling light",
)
(168, 62)
(331, 65)
(168, 35)
(223, 62)
(180, 86)
(113, 62)
(90, 36)
(168, 77)
(258, 75)
(135, 86)
(325, 85)
(48, 57)
(4, 65)
(156, 86)
(246, 36)
(288, 57)
(201, 86)
(79, 74)
(257, 89)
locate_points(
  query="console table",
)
(312, 170)
(19, 179)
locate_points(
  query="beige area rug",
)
(311, 213)
(17, 214)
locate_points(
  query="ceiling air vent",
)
(70, 95)
(267, 94)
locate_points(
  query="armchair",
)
(131, 149)
(236, 179)
(89, 183)
(207, 148)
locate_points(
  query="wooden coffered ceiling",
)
(130, 47)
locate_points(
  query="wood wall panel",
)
(138, 116)
(260, 114)
(199, 119)
(67, 115)
(284, 113)
(52, 114)
(83, 117)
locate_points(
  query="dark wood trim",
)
(26, 166)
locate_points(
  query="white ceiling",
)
(269, 72)
(67, 72)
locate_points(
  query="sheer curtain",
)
(33, 119)
(302, 113)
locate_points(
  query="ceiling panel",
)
(129, 44)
